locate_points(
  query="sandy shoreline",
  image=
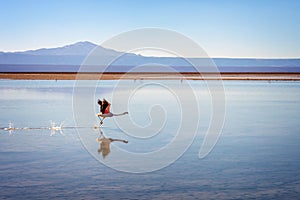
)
(148, 76)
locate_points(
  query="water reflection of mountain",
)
(75, 68)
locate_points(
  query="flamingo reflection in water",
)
(105, 144)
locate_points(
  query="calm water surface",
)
(257, 155)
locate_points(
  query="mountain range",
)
(70, 57)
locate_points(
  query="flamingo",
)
(105, 110)
(109, 115)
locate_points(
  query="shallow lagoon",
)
(257, 155)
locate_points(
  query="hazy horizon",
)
(143, 53)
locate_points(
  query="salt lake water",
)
(256, 156)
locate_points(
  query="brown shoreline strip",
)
(149, 76)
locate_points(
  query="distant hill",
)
(56, 59)
(73, 54)
(79, 48)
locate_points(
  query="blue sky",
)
(224, 28)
